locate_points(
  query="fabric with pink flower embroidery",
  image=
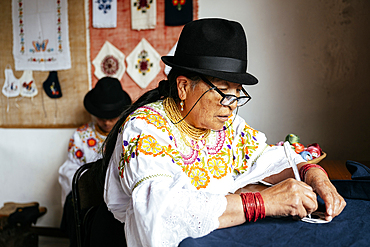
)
(166, 191)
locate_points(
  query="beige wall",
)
(313, 62)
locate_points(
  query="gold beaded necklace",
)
(101, 132)
(175, 116)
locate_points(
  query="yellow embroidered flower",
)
(217, 167)
(156, 120)
(199, 177)
(149, 145)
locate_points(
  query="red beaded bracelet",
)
(306, 167)
(253, 206)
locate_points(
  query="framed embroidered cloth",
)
(109, 62)
(104, 13)
(40, 35)
(143, 63)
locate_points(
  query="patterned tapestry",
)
(40, 35)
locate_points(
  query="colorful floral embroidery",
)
(149, 145)
(200, 168)
(79, 154)
(83, 128)
(217, 167)
(143, 5)
(70, 144)
(248, 145)
(91, 142)
(178, 3)
(109, 65)
(199, 177)
(59, 23)
(143, 63)
(21, 31)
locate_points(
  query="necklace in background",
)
(194, 133)
(98, 131)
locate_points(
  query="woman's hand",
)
(321, 184)
(289, 198)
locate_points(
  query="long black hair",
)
(166, 88)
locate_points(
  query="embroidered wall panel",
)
(162, 37)
(41, 111)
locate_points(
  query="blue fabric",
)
(350, 228)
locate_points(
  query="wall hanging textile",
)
(178, 12)
(143, 14)
(143, 63)
(40, 35)
(104, 13)
(52, 86)
(109, 62)
(11, 87)
(28, 84)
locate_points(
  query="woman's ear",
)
(183, 86)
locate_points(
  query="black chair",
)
(87, 195)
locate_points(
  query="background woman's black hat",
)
(107, 99)
(213, 47)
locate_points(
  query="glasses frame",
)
(233, 97)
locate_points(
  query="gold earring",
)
(182, 105)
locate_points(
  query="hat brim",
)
(240, 78)
(103, 113)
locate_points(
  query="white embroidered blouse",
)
(84, 147)
(165, 191)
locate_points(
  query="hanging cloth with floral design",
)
(104, 13)
(40, 35)
(143, 14)
(143, 64)
(109, 62)
(178, 12)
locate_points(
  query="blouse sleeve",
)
(164, 207)
(256, 159)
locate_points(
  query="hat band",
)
(224, 64)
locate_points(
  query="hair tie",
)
(253, 205)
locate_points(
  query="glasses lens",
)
(243, 101)
(228, 100)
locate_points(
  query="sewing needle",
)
(287, 149)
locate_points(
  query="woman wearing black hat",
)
(177, 156)
(105, 102)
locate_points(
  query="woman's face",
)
(208, 112)
(106, 125)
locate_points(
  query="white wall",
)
(312, 59)
(29, 162)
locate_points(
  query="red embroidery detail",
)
(79, 154)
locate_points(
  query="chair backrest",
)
(87, 194)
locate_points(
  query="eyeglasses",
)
(228, 99)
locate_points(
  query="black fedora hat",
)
(107, 99)
(214, 47)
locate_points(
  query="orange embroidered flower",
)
(70, 144)
(199, 177)
(91, 142)
(149, 145)
(79, 154)
(217, 167)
